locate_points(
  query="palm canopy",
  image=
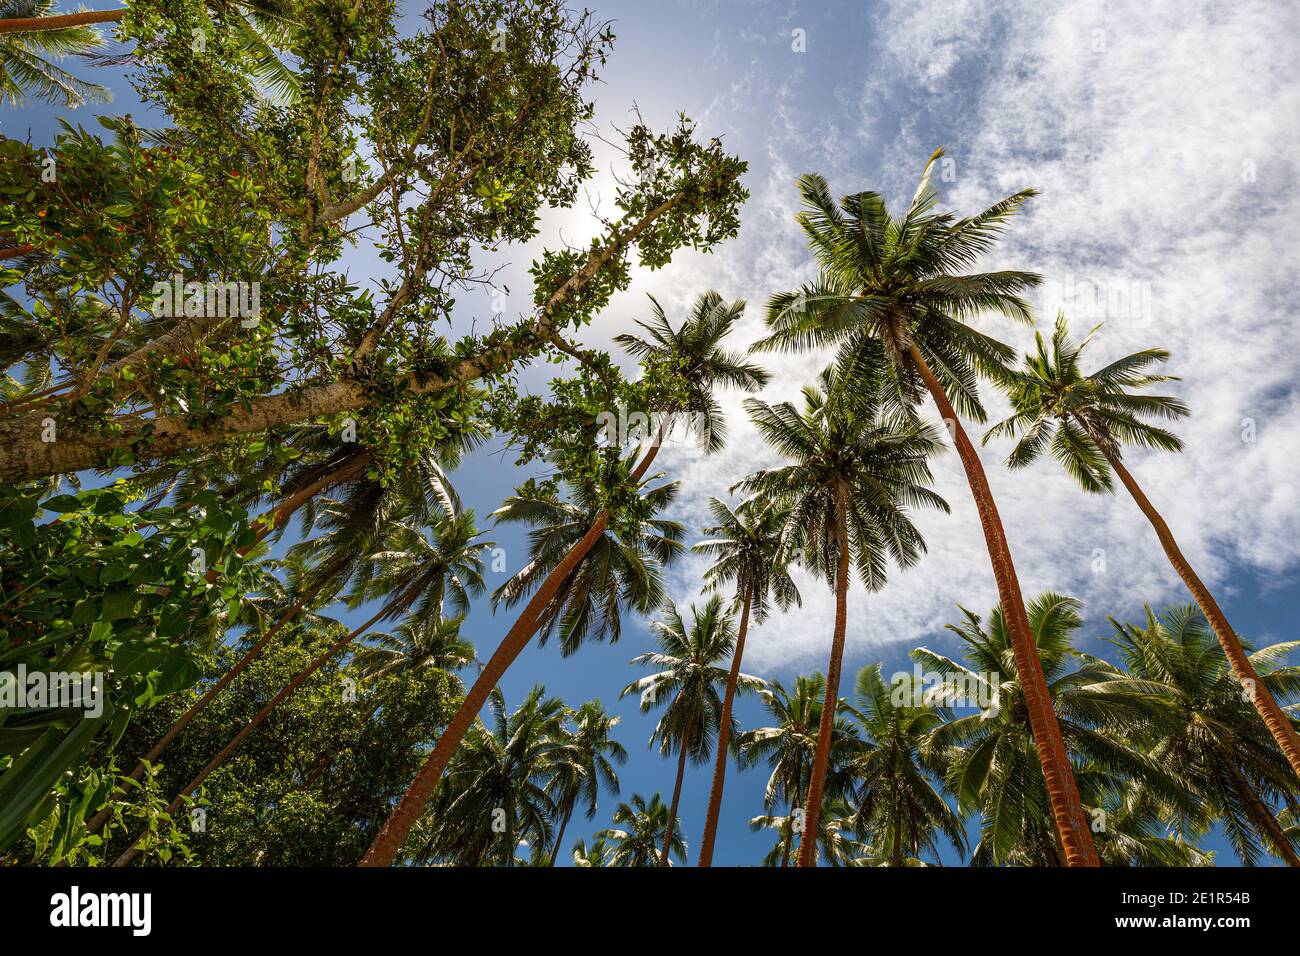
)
(846, 439)
(688, 660)
(638, 833)
(745, 543)
(693, 354)
(1081, 417)
(24, 67)
(990, 758)
(898, 281)
(897, 806)
(1195, 720)
(586, 758)
(789, 743)
(416, 644)
(622, 571)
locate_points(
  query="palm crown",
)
(694, 355)
(848, 441)
(746, 544)
(897, 281)
(1080, 418)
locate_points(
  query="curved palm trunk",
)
(724, 738)
(1274, 718)
(677, 794)
(817, 781)
(1062, 791)
(384, 850)
(284, 693)
(60, 22)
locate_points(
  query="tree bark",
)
(26, 456)
(1062, 791)
(384, 850)
(61, 22)
(1274, 717)
(817, 781)
(284, 693)
(724, 738)
(677, 794)
(559, 837)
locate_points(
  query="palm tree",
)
(746, 546)
(856, 467)
(834, 830)
(415, 644)
(585, 765)
(499, 798)
(1085, 420)
(896, 805)
(897, 284)
(24, 69)
(789, 747)
(451, 562)
(688, 659)
(1197, 723)
(691, 358)
(990, 755)
(640, 830)
(620, 571)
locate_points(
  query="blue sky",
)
(1165, 140)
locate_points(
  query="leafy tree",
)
(897, 285)
(1085, 420)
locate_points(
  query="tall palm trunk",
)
(284, 693)
(559, 837)
(384, 850)
(724, 739)
(1062, 791)
(1274, 718)
(677, 795)
(817, 781)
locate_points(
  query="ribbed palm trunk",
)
(724, 739)
(1062, 791)
(284, 694)
(817, 781)
(1274, 718)
(677, 795)
(384, 850)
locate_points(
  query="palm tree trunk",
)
(1062, 791)
(559, 837)
(284, 693)
(1275, 719)
(61, 22)
(677, 794)
(817, 781)
(1261, 815)
(724, 738)
(384, 850)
